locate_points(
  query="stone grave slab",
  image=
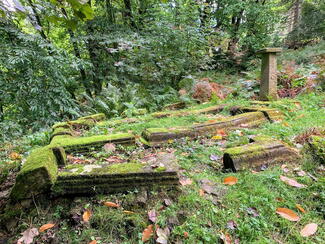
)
(156, 136)
(260, 152)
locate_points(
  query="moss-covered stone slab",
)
(212, 109)
(273, 115)
(37, 174)
(155, 136)
(316, 146)
(93, 179)
(80, 144)
(257, 154)
(61, 131)
(83, 122)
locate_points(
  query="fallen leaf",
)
(128, 212)
(111, 204)
(221, 132)
(170, 141)
(185, 181)
(217, 137)
(301, 173)
(285, 124)
(163, 235)
(309, 230)
(287, 214)
(253, 211)
(114, 159)
(168, 202)
(279, 199)
(291, 182)
(226, 238)
(231, 224)
(185, 234)
(230, 180)
(284, 168)
(300, 208)
(93, 242)
(152, 215)
(86, 215)
(147, 233)
(14, 156)
(46, 227)
(201, 192)
(109, 147)
(215, 157)
(28, 236)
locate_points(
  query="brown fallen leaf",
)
(230, 180)
(93, 242)
(291, 182)
(287, 214)
(226, 238)
(185, 181)
(201, 192)
(111, 204)
(28, 236)
(14, 156)
(300, 208)
(46, 227)
(309, 230)
(147, 233)
(86, 215)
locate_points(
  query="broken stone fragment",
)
(257, 154)
(316, 146)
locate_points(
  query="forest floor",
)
(202, 209)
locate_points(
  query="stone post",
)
(268, 88)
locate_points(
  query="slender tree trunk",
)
(109, 12)
(76, 50)
(38, 20)
(128, 13)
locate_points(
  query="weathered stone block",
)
(254, 155)
(79, 144)
(156, 136)
(92, 179)
(271, 114)
(212, 109)
(37, 174)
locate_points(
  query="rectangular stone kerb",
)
(268, 88)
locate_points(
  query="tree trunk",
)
(38, 20)
(76, 50)
(128, 13)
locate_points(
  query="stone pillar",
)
(268, 88)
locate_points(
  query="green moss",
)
(97, 117)
(37, 174)
(253, 147)
(88, 141)
(122, 168)
(160, 169)
(119, 169)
